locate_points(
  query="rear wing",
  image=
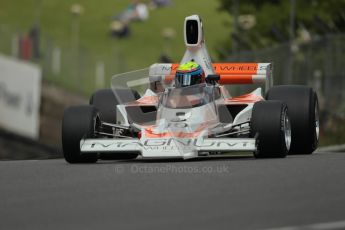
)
(229, 73)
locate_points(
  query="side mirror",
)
(212, 79)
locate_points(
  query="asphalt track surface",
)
(298, 192)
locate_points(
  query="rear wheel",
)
(78, 123)
(303, 107)
(270, 125)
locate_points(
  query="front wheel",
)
(78, 122)
(270, 125)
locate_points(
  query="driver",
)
(189, 73)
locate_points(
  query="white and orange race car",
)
(198, 120)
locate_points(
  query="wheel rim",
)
(287, 131)
(317, 121)
(96, 124)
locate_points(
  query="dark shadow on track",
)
(174, 160)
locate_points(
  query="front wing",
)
(167, 147)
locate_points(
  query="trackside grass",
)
(142, 48)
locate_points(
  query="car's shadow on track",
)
(247, 157)
(174, 160)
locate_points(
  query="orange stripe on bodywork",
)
(171, 76)
(174, 67)
(171, 134)
(150, 134)
(148, 100)
(247, 98)
(235, 68)
(228, 68)
(236, 73)
(236, 79)
(230, 73)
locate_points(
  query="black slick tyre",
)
(271, 127)
(78, 123)
(303, 108)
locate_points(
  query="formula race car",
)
(186, 111)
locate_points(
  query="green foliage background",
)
(140, 50)
(318, 17)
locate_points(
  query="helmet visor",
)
(187, 79)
